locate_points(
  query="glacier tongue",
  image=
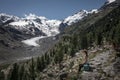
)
(33, 41)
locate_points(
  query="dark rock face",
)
(63, 75)
(62, 27)
(25, 34)
(117, 1)
(2, 30)
(111, 5)
(4, 43)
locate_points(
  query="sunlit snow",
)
(110, 1)
(93, 11)
(19, 23)
(33, 16)
(76, 17)
(33, 41)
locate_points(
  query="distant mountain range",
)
(39, 25)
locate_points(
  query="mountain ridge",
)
(30, 23)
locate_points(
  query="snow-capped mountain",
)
(5, 18)
(39, 25)
(75, 18)
(32, 23)
(78, 16)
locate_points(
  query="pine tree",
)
(2, 75)
(84, 42)
(21, 73)
(43, 62)
(32, 73)
(39, 64)
(98, 38)
(47, 58)
(14, 73)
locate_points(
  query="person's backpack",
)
(86, 67)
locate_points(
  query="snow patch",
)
(110, 1)
(33, 16)
(93, 11)
(19, 23)
(33, 41)
(53, 22)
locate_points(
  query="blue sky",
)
(52, 9)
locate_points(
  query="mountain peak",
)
(5, 17)
(33, 16)
(76, 17)
(110, 1)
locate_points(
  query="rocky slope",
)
(102, 63)
(103, 66)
